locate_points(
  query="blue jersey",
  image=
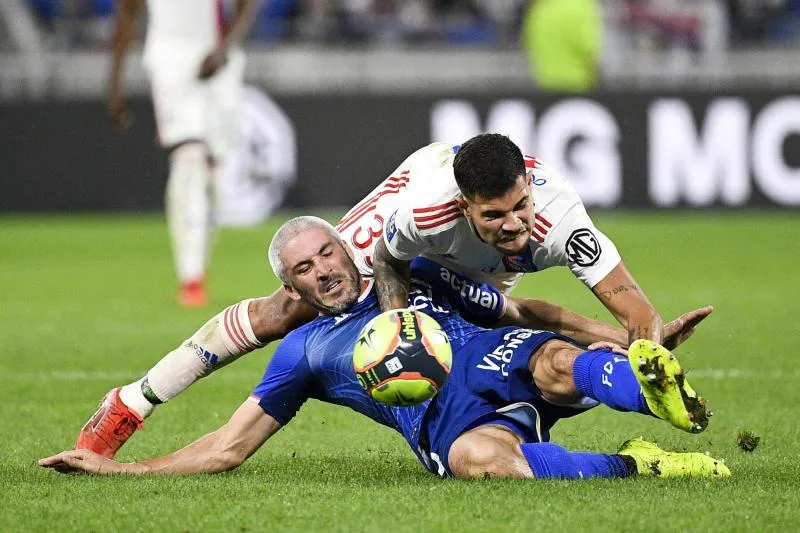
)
(316, 361)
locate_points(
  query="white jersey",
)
(182, 28)
(415, 212)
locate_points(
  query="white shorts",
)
(187, 108)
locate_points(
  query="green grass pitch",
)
(86, 303)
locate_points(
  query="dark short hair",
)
(488, 165)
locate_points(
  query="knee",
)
(477, 458)
(552, 369)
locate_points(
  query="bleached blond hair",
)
(288, 231)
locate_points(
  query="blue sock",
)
(608, 378)
(548, 460)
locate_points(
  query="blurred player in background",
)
(195, 68)
(545, 225)
(254, 178)
(564, 43)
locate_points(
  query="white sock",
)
(131, 395)
(188, 206)
(220, 341)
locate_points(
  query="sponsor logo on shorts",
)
(499, 359)
(583, 248)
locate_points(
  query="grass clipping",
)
(747, 441)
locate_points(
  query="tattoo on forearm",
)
(619, 290)
(638, 332)
(389, 291)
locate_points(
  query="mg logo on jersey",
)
(583, 248)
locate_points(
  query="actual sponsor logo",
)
(583, 248)
(471, 291)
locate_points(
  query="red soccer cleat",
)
(192, 294)
(110, 427)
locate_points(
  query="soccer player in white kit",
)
(420, 198)
(493, 214)
(196, 70)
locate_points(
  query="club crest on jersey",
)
(520, 263)
(391, 227)
(583, 248)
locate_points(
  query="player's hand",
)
(608, 345)
(81, 461)
(117, 110)
(680, 329)
(212, 63)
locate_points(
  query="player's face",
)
(503, 222)
(321, 272)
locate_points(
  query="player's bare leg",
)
(188, 205)
(239, 329)
(488, 450)
(496, 451)
(650, 382)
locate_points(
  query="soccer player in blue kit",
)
(507, 386)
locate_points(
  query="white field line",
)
(718, 374)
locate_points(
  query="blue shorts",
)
(490, 383)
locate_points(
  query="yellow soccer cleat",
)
(669, 396)
(653, 461)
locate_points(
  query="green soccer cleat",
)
(653, 461)
(669, 396)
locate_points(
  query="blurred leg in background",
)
(257, 175)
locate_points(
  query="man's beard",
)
(349, 301)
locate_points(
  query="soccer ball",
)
(402, 357)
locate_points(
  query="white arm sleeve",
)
(401, 236)
(575, 242)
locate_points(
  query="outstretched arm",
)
(538, 314)
(222, 450)
(392, 278)
(621, 295)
